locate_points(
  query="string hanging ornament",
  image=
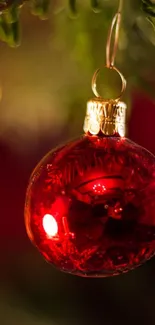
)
(90, 207)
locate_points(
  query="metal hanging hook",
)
(111, 50)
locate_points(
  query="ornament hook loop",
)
(94, 85)
(111, 50)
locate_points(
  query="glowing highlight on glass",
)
(99, 188)
(50, 225)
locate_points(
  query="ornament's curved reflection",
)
(50, 225)
(90, 206)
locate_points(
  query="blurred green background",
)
(46, 82)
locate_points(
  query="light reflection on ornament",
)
(118, 210)
(99, 188)
(50, 225)
(66, 228)
(103, 185)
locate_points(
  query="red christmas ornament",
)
(90, 206)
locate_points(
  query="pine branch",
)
(148, 7)
(10, 9)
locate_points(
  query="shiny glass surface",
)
(90, 206)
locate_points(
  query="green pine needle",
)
(148, 7)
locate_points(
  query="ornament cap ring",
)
(94, 80)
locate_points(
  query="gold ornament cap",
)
(105, 117)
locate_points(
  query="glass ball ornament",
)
(90, 207)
